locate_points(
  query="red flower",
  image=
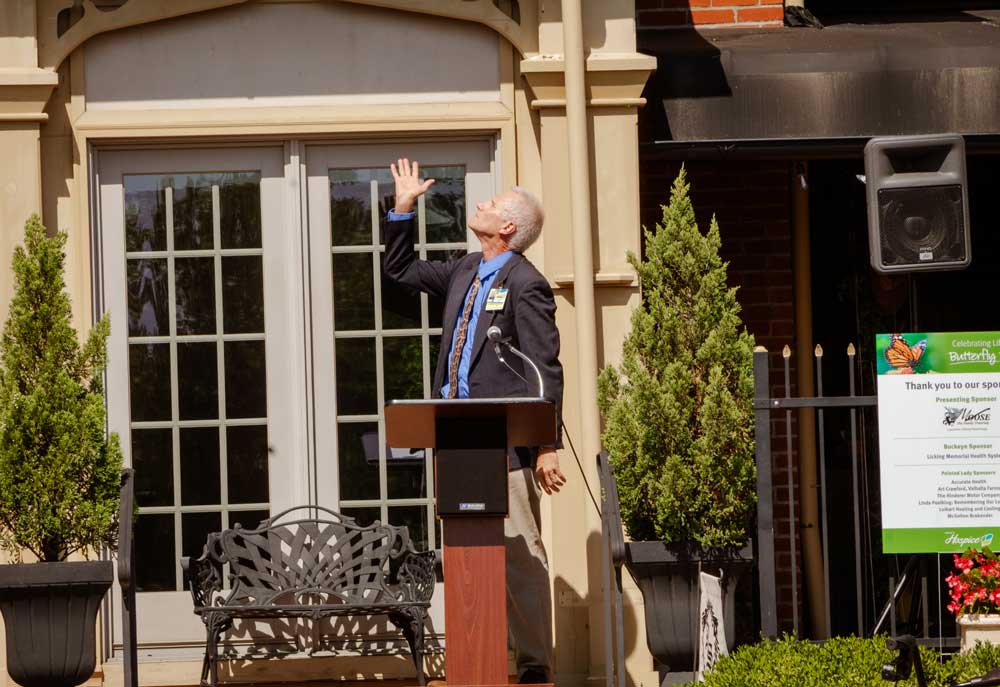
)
(976, 585)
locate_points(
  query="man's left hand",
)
(547, 471)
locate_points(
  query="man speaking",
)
(496, 287)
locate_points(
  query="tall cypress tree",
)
(679, 410)
(59, 471)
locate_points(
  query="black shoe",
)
(533, 676)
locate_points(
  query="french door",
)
(254, 344)
(375, 340)
(199, 273)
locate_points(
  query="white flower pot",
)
(979, 628)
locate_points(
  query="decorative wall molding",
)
(613, 80)
(24, 92)
(53, 49)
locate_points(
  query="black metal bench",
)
(311, 567)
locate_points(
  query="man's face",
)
(488, 220)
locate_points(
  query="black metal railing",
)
(126, 578)
(878, 588)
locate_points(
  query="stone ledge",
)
(27, 76)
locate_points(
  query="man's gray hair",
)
(525, 211)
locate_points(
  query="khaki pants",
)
(529, 599)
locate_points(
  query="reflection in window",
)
(197, 382)
(385, 339)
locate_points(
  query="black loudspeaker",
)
(918, 203)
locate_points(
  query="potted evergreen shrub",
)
(678, 416)
(59, 473)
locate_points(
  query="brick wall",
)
(751, 201)
(656, 14)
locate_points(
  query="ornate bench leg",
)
(206, 662)
(204, 668)
(215, 627)
(411, 622)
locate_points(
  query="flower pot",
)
(50, 610)
(669, 585)
(978, 628)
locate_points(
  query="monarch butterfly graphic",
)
(902, 355)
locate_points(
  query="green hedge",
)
(840, 662)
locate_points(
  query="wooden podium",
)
(470, 438)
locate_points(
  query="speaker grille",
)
(921, 225)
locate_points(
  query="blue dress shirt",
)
(487, 274)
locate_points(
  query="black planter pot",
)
(50, 610)
(669, 585)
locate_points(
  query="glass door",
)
(373, 340)
(198, 272)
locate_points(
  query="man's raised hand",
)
(408, 184)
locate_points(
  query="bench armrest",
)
(415, 577)
(204, 577)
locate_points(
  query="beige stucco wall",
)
(44, 168)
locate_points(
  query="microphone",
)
(495, 335)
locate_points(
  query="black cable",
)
(562, 426)
(583, 474)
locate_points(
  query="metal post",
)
(765, 498)
(857, 496)
(822, 485)
(786, 354)
(609, 657)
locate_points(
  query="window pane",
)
(239, 209)
(246, 460)
(194, 280)
(414, 518)
(435, 346)
(148, 310)
(362, 516)
(353, 292)
(405, 473)
(246, 379)
(243, 294)
(145, 213)
(404, 369)
(444, 209)
(356, 392)
(155, 568)
(193, 211)
(248, 519)
(350, 208)
(200, 466)
(197, 380)
(153, 460)
(149, 381)
(195, 528)
(357, 457)
(400, 305)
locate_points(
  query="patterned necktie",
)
(463, 333)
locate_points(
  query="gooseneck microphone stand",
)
(496, 338)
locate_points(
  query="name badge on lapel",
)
(496, 299)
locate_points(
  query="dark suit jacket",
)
(528, 319)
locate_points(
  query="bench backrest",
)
(310, 555)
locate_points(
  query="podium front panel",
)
(471, 482)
